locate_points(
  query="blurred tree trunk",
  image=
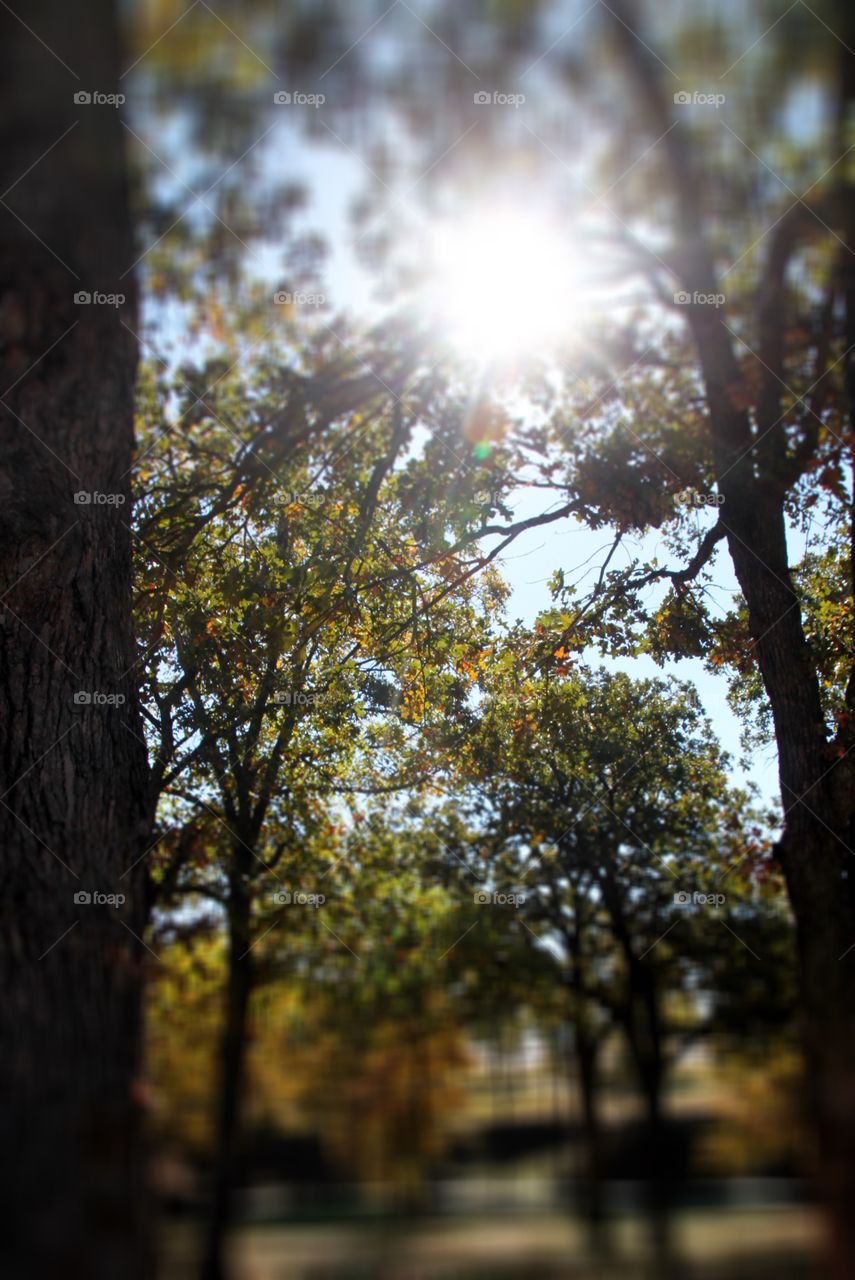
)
(583, 1067)
(641, 1018)
(821, 892)
(232, 1064)
(816, 780)
(658, 1187)
(643, 1026)
(755, 471)
(74, 808)
(593, 1198)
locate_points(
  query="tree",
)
(355, 1030)
(278, 610)
(387, 1021)
(760, 447)
(75, 808)
(606, 802)
(68, 372)
(725, 382)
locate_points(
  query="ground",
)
(774, 1243)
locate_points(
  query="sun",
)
(504, 284)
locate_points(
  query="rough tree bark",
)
(74, 812)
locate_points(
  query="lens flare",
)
(504, 285)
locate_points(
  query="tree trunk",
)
(816, 776)
(642, 1022)
(753, 474)
(821, 889)
(232, 1064)
(754, 471)
(644, 1035)
(816, 792)
(74, 811)
(658, 1190)
(593, 1200)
